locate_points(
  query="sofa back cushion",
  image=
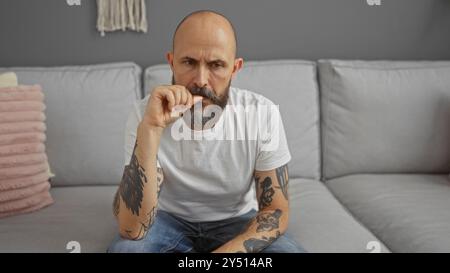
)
(292, 85)
(87, 108)
(385, 117)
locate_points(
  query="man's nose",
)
(201, 78)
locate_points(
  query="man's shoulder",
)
(248, 97)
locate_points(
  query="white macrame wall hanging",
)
(115, 15)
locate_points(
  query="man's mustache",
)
(206, 93)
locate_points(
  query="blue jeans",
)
(173, 234)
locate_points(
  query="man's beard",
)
(205, 92)
(210, 94)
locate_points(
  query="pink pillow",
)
(16, 106)
(21, 160)
(22, 127)
(22, 116)
(22, 193)
(24, 171)
(29, 204)
(18, 138)
(24, 181)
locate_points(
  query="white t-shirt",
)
(208, 175)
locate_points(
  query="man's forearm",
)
(265, 228)
(273, 216)
(137, 197)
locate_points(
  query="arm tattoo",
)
(132, 184)
(131, 193)
(254, 245)
(268, 221)
(145, 226)
(116, 204)
(267, 192)
(282, 177)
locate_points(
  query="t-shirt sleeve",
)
(134, 117)
(273, 150)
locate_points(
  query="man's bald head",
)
(202, 20)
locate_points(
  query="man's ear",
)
(169, 57)
(238, 63)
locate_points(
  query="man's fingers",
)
(190, 100)
(177, 94)
(179, 99)
(184, 97)
(168, 94)
(180, 93)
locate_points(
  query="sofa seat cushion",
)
(321, 224)
(408, 212)
(82, 214)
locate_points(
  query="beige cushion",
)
(8, 79)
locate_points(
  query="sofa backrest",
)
(86, 110)
(292, 85)
(376, 116)
(385, 117)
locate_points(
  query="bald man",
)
(195, 191)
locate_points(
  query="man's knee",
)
(164, 236)
(121, 245)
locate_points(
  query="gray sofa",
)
(370, 144)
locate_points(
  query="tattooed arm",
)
(137, 197)
(272, 218)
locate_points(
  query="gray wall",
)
(49, 32)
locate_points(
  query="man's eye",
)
(188, 62)
(216, 65)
